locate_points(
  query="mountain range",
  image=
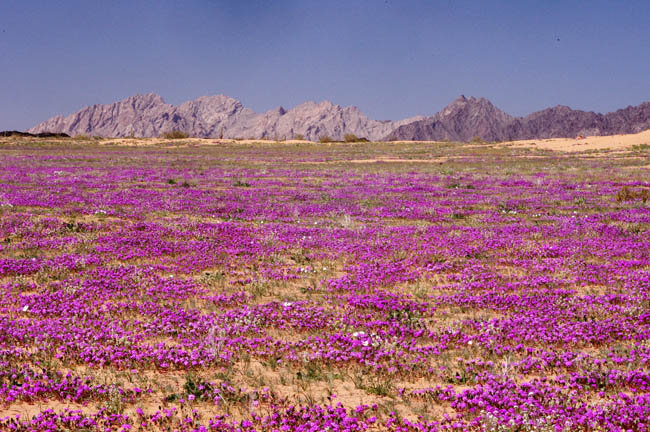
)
(464, 119)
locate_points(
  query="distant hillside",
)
(467, 118)
(215, 116)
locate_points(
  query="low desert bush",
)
(627, 194)
(326, 139)
(175, 135)
(353, 138)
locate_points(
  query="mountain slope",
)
(214, 116)
(466, 118)
(462, 120)
(140, 115)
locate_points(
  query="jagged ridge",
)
(468, 118)
(214, 116)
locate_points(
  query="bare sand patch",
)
(28, 410)
(385, 159)
(640, 167)
(571, 145)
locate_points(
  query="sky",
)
(391, 58)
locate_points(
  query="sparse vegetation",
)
(628, 194)
(240, 183)
(353, 138)
(350, 138)
(252, 286)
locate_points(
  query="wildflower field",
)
(312, 287)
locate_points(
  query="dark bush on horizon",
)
(349, 138)
(175, 135)
(15, 133)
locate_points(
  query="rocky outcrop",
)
(464, 119)
(316, 120)
(210, 116)
(218, 116)
(140, 115)
(562, 121)
(468, 118)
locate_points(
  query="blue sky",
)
(392, 59)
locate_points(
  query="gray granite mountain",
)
(562, 121)
(467, 118)
(462, 120)
(213, 116)
(141, 115)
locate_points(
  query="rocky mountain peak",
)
(469, 117)
(148, 115)
(143, 101)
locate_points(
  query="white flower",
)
(25, 308)
(287, 304)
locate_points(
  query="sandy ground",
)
(598, 143)
(380, 159)
(590, 143)
(612, 142)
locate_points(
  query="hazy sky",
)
(391, 58)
